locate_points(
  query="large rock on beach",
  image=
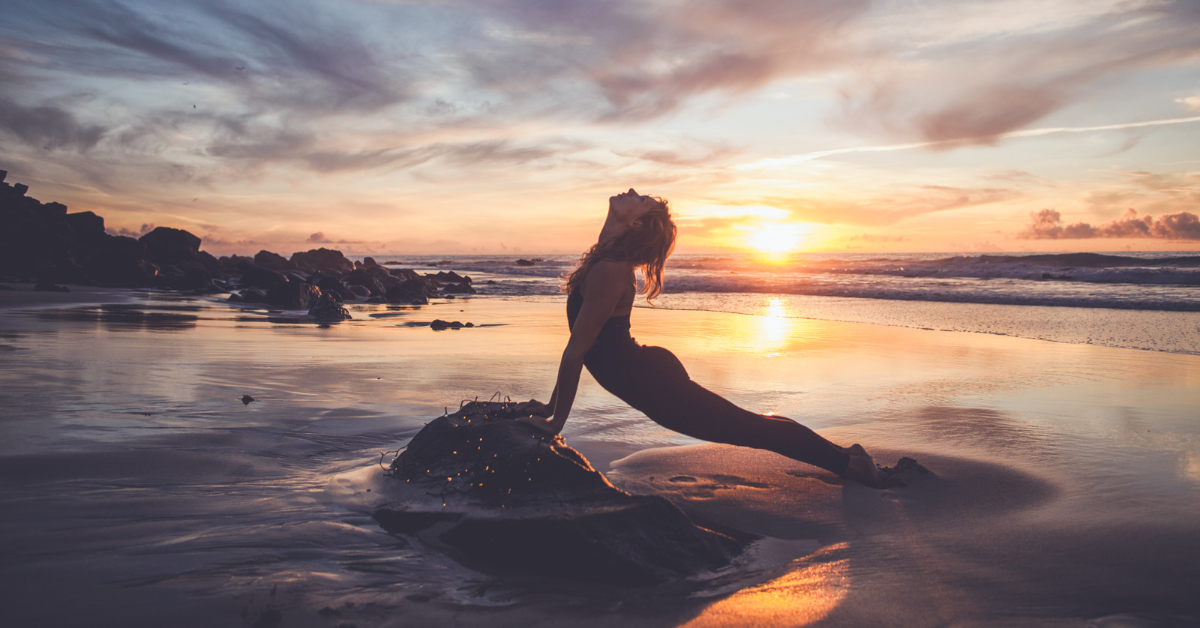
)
(274, 261)
(329, 310)
(323, 259)
(293, 295)
(414, 291)
(497, 495)
(254, 274)
(165, 245)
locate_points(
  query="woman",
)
(639, 233)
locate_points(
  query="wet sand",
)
(139, 490)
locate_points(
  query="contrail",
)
(794, 159)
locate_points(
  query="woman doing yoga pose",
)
(639, 233)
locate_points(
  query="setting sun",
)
(776, 238)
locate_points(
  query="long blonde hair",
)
(646, 244)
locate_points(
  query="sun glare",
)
(776, 238)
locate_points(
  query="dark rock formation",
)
(255, 275)
(412, 291)
(293, 295)
(525, 262)
(458, 288)
(360, 277)
(439, 325)
(165, 245)
(496, 494)
(328, 310)
(324, 260)
(274, 261)
(332, 286)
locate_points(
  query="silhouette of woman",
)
(639, 234)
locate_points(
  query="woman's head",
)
(646, 241)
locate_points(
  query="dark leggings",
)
(652, 380)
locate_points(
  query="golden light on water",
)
(802, 597)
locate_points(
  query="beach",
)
(140, 490)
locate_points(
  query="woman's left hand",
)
(535, 408)
(546, 426)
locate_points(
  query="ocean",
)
(1136, 300)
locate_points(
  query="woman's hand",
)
(535, 408)
(549, 427)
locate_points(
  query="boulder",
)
(497, 495)
(165, 245)
(458, 288)
(274, 261)
(195, 278)
(261, 276)
(360, 277)
(328, 310)
(439, 325)
(332, 286)
(369, 262)
(324, 260)
(293, 295)
(253, 296)
(412, 291)
(360, 291)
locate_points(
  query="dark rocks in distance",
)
(42, 243)
(323, 259)
(274, 261)
(439, 325)
(328, 310)
(497, 495)
(246, 399)
(165, 245)
(412, 291)
(293, 295)
(256, 275)
(525, 262)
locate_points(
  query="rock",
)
(235, 298)
(293, 295)
(49, 287)
(165, 245)
(360, 291)
(458, 288)
(331, 285)
(362, 278)
(328, 310)
(274, 261)
(324, 260)
(495, 494)
(253, 296)
(84, 223)
(195, 278)
(246, 399)
(525, 262)
(255, 275)
(411, 291)
(439, 325)
(369, 262)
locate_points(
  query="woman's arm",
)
(603, 288)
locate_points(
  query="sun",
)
(776, 238)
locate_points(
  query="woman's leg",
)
(658, 385)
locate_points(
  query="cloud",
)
(977, 88)
(1047, 225)
(1191, 102)
(47, 127)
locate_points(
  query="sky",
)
(503, 126)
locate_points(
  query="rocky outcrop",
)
(43, 243)
(324, 260)
(497, 495)
(328, 310)
(165, 246)
(293, 295)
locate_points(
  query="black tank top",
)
(615, 331)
